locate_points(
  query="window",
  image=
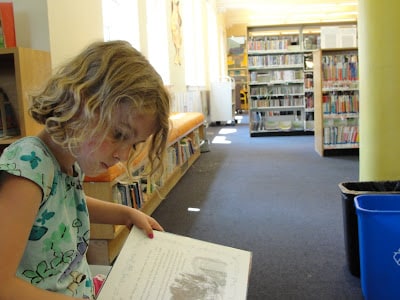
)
(157, 37)
(215, 49)
(193, 42)
(120, 21)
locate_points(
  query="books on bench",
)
(171, 266)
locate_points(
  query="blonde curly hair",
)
(88, 90)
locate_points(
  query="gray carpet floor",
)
(276, 197)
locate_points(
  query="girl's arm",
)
(19, 202)
(104, 212)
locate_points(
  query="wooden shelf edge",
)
(115, 245)
(9, 140)
(104, 252)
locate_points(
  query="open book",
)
(176, 267)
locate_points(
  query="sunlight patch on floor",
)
(193, 209)
(227, 130)
(221, 137)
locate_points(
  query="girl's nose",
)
(122, 153)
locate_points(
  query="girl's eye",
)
(119, 136)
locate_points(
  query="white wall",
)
(73, 24)
(62, 27)
(31, 24)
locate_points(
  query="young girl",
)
(95, 111)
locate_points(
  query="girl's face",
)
(132, 129)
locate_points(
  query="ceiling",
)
(273, 12)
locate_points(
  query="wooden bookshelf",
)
(107, 240)
(22, 70)
(336, 98)
(104, 252)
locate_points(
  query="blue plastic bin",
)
(349, 191)
(379, 240)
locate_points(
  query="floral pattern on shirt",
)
(55, 255)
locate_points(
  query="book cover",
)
(171, 266)
(8, 26)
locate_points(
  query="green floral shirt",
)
(55, 255)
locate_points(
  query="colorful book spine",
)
(129, 194)
(2, 42)
(7, 24)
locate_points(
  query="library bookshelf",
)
(336, 97)
(22, 70)
(279, 81)
(186, 136)
(280, 74)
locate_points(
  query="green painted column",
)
(379, 58)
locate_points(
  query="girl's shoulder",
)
(30, 158)
(28, 140)
(26, 147)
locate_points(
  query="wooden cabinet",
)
(22, 70)
(336, 100)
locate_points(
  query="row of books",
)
(334, 103)
(258, 122)
(172, 159)
(271, 42)
(341, 135)
(273, 125)
(275, 120)
(277, 90)
(340, 67)
(280, 102)
(342, 85)
(276, 60)
(187, 148)
(177, 154)
(130, 194)
(277, 75)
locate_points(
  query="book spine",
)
(7, 21)
(2, 42)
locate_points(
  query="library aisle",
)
(274, 196)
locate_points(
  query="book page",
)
(170, 266)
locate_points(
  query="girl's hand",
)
(104, 212)
(145, 222)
